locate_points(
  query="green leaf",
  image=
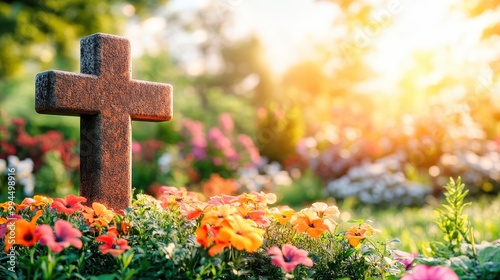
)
(104, 277)
(357, 221)
(490, 257)
(461, 264)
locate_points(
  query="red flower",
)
(65, 235)
(113, 245)
(289, 257)
(69, 204)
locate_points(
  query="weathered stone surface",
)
(106, 99)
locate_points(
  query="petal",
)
(72, 199)
(288, 266)
(98, 208)
(442, 272)
(319, 206)
(46, 234)
(241, 242)
(274, 251)
(289, 251)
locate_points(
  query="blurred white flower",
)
(165, 161)
(24, 173)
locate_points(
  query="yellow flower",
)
(282, 214)
(370, 229)
(98, 214)
(242, 234)
(37, 202)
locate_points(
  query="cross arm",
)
(150, 101)
(65, 93)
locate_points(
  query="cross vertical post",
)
(106, 99)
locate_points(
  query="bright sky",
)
(290, 30)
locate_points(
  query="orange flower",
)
(259, 200)
(3, 226)
(25, 232)
(26, 203)
(113, 245)
(5, 206)
(216, 185)
(307, 221)
(206, 236)
(218, 247)
(219, 215)
(37, 202)
(194, 211)
(354, 235)
(282, 214)
(98, 214)
(258, 216)
(242, 234)
(126, 227)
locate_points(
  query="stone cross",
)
(106, 99)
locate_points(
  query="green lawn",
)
(414, 227)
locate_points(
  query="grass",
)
(415, 227)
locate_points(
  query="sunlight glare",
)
(422, 25)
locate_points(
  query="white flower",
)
(164, 162)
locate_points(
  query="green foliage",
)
(52, 178)
(279, 130)
(41, 32)
(333, 256)
(452, 221)
(301, 192)
(459, 251)
(163, 245)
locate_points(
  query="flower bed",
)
(179, 236)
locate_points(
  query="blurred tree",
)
(280, 128)
(235, 66)
(41, 32)
(245, 70)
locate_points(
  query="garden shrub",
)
(279, 130)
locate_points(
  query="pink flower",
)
(405, 258)
(252, 150)
(69, 204)
(218, 138)
(217, 161)
(136, 147)
(226, 122)
(424, 272)
(199, 153)
(65, 235)
(289, 257)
